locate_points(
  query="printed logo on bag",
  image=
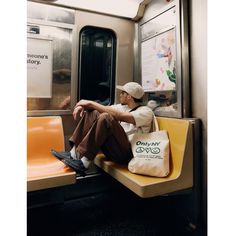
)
(151, 154)
(147, 143)
(147, 147)
(155, 150)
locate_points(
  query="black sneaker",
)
(68, 160)
(76, 165)
(61, 155)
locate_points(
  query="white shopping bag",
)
(151, 154)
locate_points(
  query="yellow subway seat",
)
(181, 163)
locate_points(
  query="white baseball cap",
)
(132, 88)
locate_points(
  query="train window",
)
(59, 86)
(161, 63)
(97, 65)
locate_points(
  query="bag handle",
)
(155, 124)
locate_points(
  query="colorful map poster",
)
(158, 62)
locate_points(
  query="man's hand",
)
(86, 104)
(78, 109)
(81, 106)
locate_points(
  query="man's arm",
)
(118, 115)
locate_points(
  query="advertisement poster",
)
(158, 62)
(39, 68)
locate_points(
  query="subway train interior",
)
(81, 50)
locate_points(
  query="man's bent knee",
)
(105, 118)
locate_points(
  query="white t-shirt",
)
(143, 117)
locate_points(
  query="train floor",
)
(113, 213)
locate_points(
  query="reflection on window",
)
(61, 71)
(97, 65)
(163, 101)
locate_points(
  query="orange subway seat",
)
(43, 169)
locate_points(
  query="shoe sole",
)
(68, 161)
(59, 156)
(74, 167)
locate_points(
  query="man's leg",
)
(107, 134)
(96, 131)
(72, 159)
(83, 127)
(118, 150)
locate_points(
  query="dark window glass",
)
(97, 65)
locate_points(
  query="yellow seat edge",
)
(51, 182)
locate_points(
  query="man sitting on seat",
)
(107, 128)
